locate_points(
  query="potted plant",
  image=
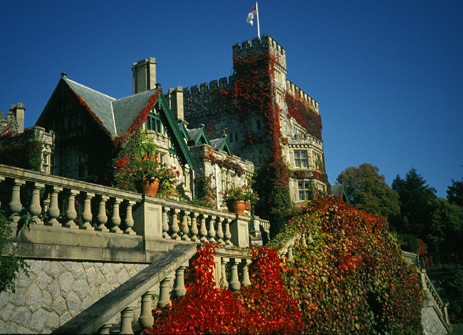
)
(236, 198)
(146, 174)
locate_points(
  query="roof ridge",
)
(91, 89)
(154, 90)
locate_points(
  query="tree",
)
(455, 193)
(368, 190)
(417, 203)
(10, 264)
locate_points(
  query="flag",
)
(251, 14)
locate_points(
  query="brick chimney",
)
(144, 75)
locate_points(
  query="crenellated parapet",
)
(265, 45)
(293, 89)
(204, 98)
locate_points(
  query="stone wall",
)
(56, 291)
(432, 325)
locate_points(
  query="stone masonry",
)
(56, 291)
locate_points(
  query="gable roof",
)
(222, 143)
(198, 136)
(119, 117)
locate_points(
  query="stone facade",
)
(302, 151)
(13, 122)
(56, 291)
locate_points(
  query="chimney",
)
(176, 97)
(144, 75)
(18, 113)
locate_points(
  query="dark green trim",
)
(177, 138)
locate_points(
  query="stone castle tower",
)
(301, 146)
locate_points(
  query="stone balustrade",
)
(77, 224)
(66, 203)
(431, 295)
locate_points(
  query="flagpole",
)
(258, 27)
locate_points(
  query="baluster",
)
(290, 255)
(179, 284)
(87, 212)
(71, 213)
(165, 222)
(129, 218)
(53, 210)
(219, 230)
(227, 234)
(234, 283)
(174, 227)
(246, 281)
(15, 203)
(35, 209)
(116, 218)
(223, 272)
(164, 295)
(211, 232)
(146, 318)
(194, 227)
(101, 217)
(126, 320)
(202, 228)
(104, 329)
(185, 229)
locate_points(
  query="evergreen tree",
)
(455, 193)
(367, 190)
(417, 204)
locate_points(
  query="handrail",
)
(99, 314)
(129, 212)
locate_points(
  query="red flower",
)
(120, 163)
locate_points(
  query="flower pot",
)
(236, 206)
(150, 186)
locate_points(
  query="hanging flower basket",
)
(149, 186)
(236, 206)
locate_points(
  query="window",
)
(258, 124)
(233, 137)
(82, 166)
(318, 162)
(154, 123)
(304, 188)
(300, 159)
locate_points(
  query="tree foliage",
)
(416, 200)
(10, 264)
(349, 277)
(455, 193)
(367, 190)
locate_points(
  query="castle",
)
(298, 115)
(210, 132)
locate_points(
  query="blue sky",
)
(388, 75)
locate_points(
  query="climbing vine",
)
(263, 308)
(304, 114)
(251, 94)
(350, 274)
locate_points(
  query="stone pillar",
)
(15, 203)
(148, 219)
(239, 231)
(234, 283)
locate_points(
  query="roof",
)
(119, 117)
(198, 136)
(339, 191)
(222, 143)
